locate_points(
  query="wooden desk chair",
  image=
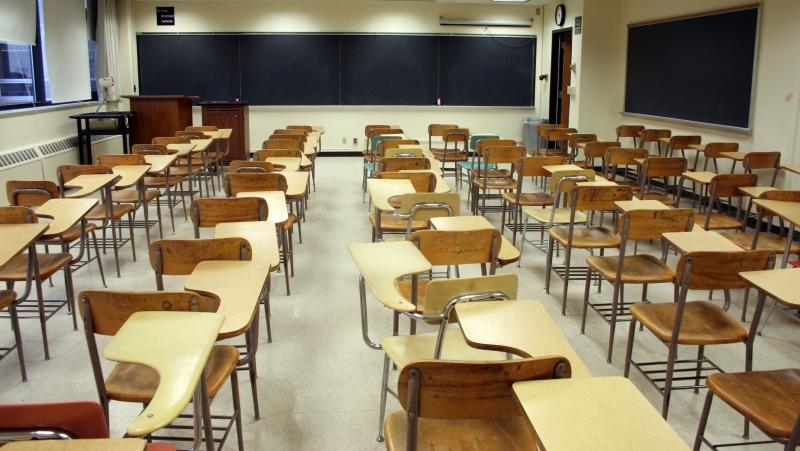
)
(642, 269)
(23, 193)
(594, 150)
(368, 134)
(653, 135)
(561, 184)
(517, 199)
(578, 138)
(483, 183)
(251, 166)
(768, 161)
(475, 163)
(712, 151)
(681, 142)
(415, 212)
(574, 236)
(403, 152)
(39, 267)
(395, 164)
(443, 408)
(625, 157)
(560, 136)
(104, 313)
(438, 131)
(283, 143)
(167, 180)
(629, 131)
(194, 166)
(8, 300)
(665, 168)
(370, 164)
(58, 421)
(107, 211)
(218, 155)
(456, 141)
(436, 307)
(424, 182)
(768, 399)
(312, 156)
(724, 185)
(696, 323)
(263, 154)
(382, 150)
(542, 130)
(389, 144)
(140, 197)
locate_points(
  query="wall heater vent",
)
(17, 157)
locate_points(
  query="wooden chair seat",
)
(718, 221)
(17, 268)
(132, 195)
(496, 183)
(704, 323)
(491, 173)
(586, 237)
(636, 269)
(529, 199)
(561, 216)
(6, 298)
(404, 287)
(663, 198)
(449, 156)
(405, 349)
(131, 382)
(766, 242)
(502, 434)
(756, 191)
(770, 399)
(98, 213)
(394, 223)
(71, 234)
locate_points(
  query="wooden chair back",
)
(17, 215)
(67, 172)
(727, 185)
(681, 142)
(170, 140)
(503, 155)
(289, 132)
(761, 160)
(250, 166)
(439, 129)
(456, 136)
(557, 185)
(650, 135)
(459, 247)
(411, 203)
(651, 224)
(243, 182)
(191, 135)
(295, 144)
(202, 128)
(424, 182)
(784, 195)
(720, 270)
(598, 198)
(403, 152)
(577, 138)
(112, 160)
(545, 128)
(442, 291)
(597, 149)
(208, 212)
(30, 193)
(623, 156)
(713, 150)
(180, 257)
(152, 149)
(105, 311)
(386, 131)
(559, 134)
(396, 164)
(368, 128)
(305, 128)
(664, 167)
(629, 131)
(446, 389)
(278, 152)
(534, 166)
(390, 144)
(482, 145)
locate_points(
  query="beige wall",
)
(343, 123)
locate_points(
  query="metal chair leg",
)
(384, 390)
(701, 428)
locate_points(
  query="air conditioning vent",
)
(98, 138)
(59, 146)
(17, 157)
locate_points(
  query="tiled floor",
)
(318, 382)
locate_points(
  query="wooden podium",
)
(160, 116)
(233, 115)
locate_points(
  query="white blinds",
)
(67, 50)
(18, 21)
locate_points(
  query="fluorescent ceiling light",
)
(487, 22)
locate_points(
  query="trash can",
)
(530, 132)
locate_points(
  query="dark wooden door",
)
(560, 76)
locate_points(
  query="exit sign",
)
(165, 15)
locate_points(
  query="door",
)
(560, 76)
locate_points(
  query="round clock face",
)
(560, 14)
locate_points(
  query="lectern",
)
(160, 116)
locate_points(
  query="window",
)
(24, 78)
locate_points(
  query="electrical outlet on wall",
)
(355, 141)
(344, 140)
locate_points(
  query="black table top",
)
(103, 115)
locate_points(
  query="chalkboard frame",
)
(532, 36)
(748, 130)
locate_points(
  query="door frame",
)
(560, 77)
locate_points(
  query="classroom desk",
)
(441, 185)
(179, 360)
(181, 150)
(88, 184)
(64, 213)
(700, 241)
(632, 205)
(297, 182)
(598, 413)
(220, 133)
(260, 234)
(95, 444)
(130, 175)
(18, 237)
(380, 191)
(201, 145)
(701, 177)
(788, 211)
(553, 168)
(523, 328)
(160, 163)
(792, 168)
(507, 253)
(380, 265)
(778, 284)
(276, 203)
(735, 156)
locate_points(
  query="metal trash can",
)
(530, 132)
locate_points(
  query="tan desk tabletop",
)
(131, 174)
(553, 168)
(89, 184)
(201, 144)
(736, 156)
(507, 254)
(96, 444)
(17, 237)
(666, 141)
(792, 168)
(181, 149)
(789, 211)
(238, 285)
(597, 413)
(381, 264)
(290, 164)
(702, 177)
(380, 190)
(700, 241)
(276, 202)
(520, 327)
(159, 163)
(698, 147)
(639, 161)
(297, 182)
(64, 213)
(260, 234)
(441, 185)
(177, 346)
(222, 133)
(777, 283)
(630, 205)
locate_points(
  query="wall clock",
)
(561, 14)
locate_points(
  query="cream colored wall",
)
(343, 123)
